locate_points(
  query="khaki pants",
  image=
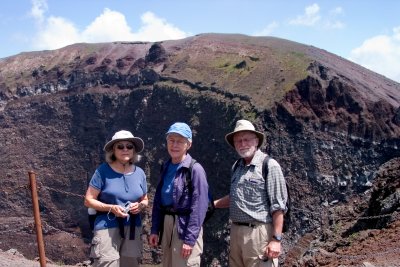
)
(110, 250)
(172, 245)
(247, 246)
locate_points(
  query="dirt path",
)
(8, 259)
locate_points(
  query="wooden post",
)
(38, 223)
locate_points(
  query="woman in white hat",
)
(118, 193)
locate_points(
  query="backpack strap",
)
(236, 165)
(264, 166)
(265, 174)
(265, 169)
(188, 175)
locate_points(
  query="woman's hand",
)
(118, 211)
(136, 207)
(153, 240)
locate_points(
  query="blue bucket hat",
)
(181, 129)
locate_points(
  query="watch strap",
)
(277, 237)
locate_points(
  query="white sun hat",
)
(244, 125)
(124, 135)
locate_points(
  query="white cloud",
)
(381, 54)
(109, 26)
(312, 17)
(39, 7)
(336, 11)
(267, 30)
(396, 34)
(157, 29)
(56, 32)
(334, 24)
(309, 18)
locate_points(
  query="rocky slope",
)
(12, 258)
(330, 123)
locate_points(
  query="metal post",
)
(38, 223)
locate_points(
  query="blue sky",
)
(364, 31)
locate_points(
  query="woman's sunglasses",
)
(122, 146)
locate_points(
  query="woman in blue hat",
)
(180, 203)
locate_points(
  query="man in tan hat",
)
(256, 205)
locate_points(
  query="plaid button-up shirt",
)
(248, 194)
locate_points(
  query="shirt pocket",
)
(253, 189)
(95, 248)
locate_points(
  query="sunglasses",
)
(122, 146)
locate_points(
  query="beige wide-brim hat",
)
(125, 136)
(244, 125)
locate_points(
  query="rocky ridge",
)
(329, 122)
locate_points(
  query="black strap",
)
(188, 176)
(121, 225)
(264, 166)
(265, 169)
(132, 226)
(161, 231)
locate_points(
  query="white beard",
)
(248, 153)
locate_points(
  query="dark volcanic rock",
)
(329, 122)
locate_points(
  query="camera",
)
(127, 206)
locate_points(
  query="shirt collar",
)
(257, 158)
(185, 163)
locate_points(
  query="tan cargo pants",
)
(248, 244)
(172, 245)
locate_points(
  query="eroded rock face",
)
(328, 122)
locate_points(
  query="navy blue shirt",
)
(168, 185)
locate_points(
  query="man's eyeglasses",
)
(244, 140)
(122, 146)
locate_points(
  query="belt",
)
(121, 226)
(252, 225)
(168, 210)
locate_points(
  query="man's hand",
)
(186, 251)
(273, 249)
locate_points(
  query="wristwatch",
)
(277, 238)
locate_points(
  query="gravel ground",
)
(13, 258)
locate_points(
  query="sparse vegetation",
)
(204, 81)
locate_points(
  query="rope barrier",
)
(305, 211)
(62, 192)
(359, 257)
(367, 217)
(294, 209)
